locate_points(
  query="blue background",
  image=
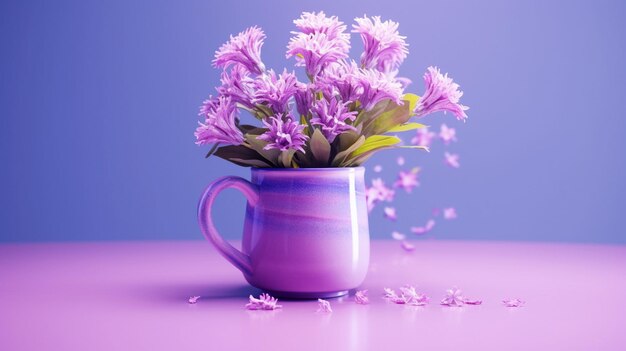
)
(98, 105)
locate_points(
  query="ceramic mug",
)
(305, 232)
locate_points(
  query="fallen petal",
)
(407, 246)
(513, 302)
(472, 302)
(193, 299)
(361, 297)
(324, 306)
(264, 302)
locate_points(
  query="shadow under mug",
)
(305, 231)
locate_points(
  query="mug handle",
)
(237, 258)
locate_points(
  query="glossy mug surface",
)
(305, 233)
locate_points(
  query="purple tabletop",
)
(133, 296)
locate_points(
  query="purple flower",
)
(283, 134)
(311, 23)
(238, 85)
(442, 94)
(275, 91)
(331, 117)
(243, 49)
(451, 160)
(315, 51)
(220, 125)
(324, 306)
(384, 47)
(361, 297)
(423, 137)
(304, 97)
(447, 134)
(264, 302)
(340, 79)
(377, 86)
(454, 298)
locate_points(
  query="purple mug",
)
(305, 232)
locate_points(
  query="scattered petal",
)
(389, 293)
(378, 168)
(264, 302)
(468, 301)
(447, 134)
(390, 213)
(412, 297)
(361, 297)
(407, 180)
(407, 246)
(400, 160)
(423, 137)
(378, 192)
(449, 213)
(513, 302)
(451, 160)
(193, 299)
(408, 296)
(324, 306)
(425, 229)
(398, 235)
(454, 298)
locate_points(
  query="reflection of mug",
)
(305, 232)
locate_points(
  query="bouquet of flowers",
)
(340, 117)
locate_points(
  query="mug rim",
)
(312, 169)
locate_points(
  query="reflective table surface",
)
(134, 296)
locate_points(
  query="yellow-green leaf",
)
(412, 99)
(406, 126)
(375, 142)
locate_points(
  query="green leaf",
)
(375, 142)
(345, 140)
(406, 126)
(258, 145)
(412, 99)
(212, 150)
(425, 148)
(341, 157)
(320, 148)
(366, 116)
(286, 157)
(393, 116)
(238, 152)
(250, 162)
(249, 129)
